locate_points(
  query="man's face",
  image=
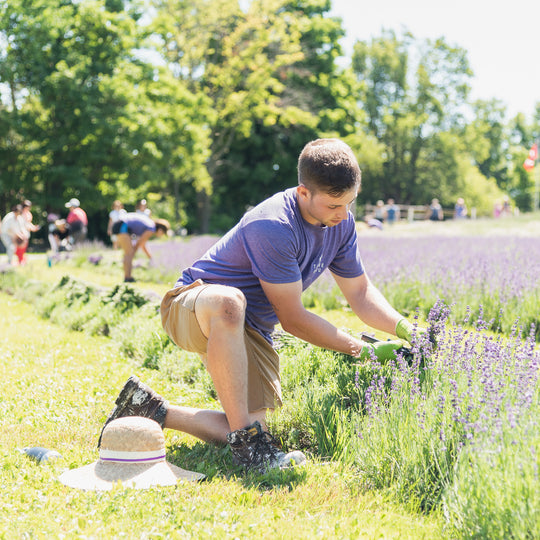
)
(319, 208)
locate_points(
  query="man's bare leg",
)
(207, 425)
(220, 312)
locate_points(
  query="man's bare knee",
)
(220, 305)
(232, 307)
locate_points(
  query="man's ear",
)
(303, 192)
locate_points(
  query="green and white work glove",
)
(406, 330)
(380, 350)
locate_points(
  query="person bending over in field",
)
(132, 232)
(225, 306)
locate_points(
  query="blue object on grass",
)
(40, 454)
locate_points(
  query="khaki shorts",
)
(180, 323)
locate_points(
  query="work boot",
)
(138, 399)
(257, 450)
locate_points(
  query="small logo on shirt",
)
(318, 266)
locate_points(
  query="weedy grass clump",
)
(81, 306)
(124, 314)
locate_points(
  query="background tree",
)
(92, 120)
(265, 161)
(203, 106)
(167, 138)
(233, 57)
(524, 187)
(409, 106)
(63, 59)
(487, 137)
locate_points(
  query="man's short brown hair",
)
(328, 165)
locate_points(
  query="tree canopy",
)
(203, 106)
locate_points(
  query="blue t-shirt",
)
(274, 243)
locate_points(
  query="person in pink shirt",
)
(77, 221)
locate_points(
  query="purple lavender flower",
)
(95, 258)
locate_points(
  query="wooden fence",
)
(411, 212)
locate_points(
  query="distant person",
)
(393, 213)
(14, 234)
(435, 211)
(30, 227)
(506, 208)
(77, 221)
(380, 211)
(142, 208)
(28, 217)
(460, 209)
(374, 223)
(114, 215)
(133, 231)
(59, 236)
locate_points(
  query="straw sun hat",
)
(132, 453)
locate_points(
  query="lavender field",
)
(175, 255)
(457, 430)
(496, 278)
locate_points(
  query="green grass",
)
(380, 470)
(57, 389)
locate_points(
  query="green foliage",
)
(203, 107)
(323, 389)
(399, 449)
(325, 295)
(125, 298)
(65, 56)
(332, 427)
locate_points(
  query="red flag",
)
(528, 164)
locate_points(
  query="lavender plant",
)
(470, 421)
(177, 254)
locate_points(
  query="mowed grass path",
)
(57, 388)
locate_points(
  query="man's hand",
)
(405, 330)
(380, 350)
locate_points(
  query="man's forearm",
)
(319, 332)
(376, 311)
